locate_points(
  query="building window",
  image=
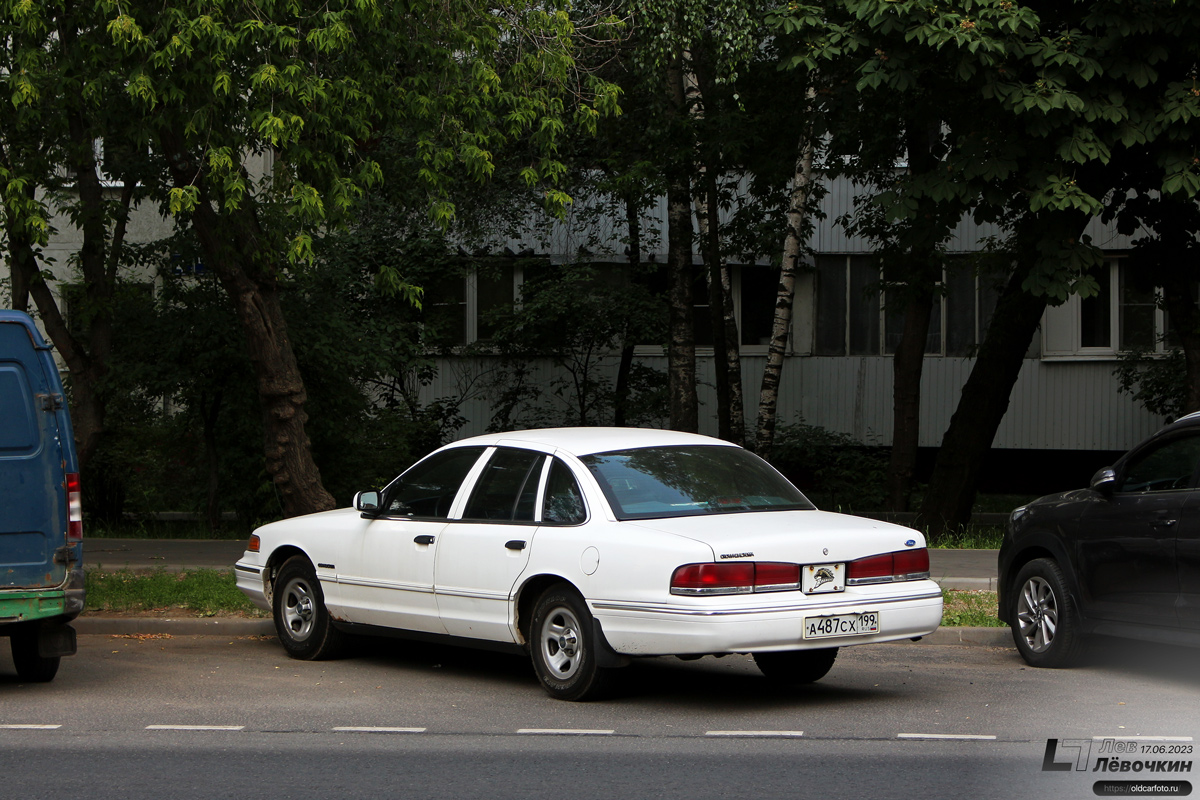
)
(1125, 314)
(758, 293)
(465, 306)
(853, 316)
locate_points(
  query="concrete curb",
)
(971, 584)
(178, 626)
(970, 637)
(234, 626)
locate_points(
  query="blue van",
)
(41, 523)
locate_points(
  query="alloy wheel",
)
(1037, 614)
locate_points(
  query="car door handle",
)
(1163, 522)
(515, 544)
(424, 539)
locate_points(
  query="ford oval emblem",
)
(910, 542)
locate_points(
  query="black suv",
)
(1121, 558)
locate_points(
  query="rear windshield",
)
(689, 481)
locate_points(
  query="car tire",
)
(1045, 622)
(303, 623)
(796, 666)
(31, 667)
(562, 645)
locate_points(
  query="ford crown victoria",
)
(590, 547)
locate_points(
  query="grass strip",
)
(208, 592)
(969, 608)
(203, 592)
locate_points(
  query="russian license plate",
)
(820, 578)
(841, 625)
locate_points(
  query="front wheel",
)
(796, 666)
(304, 626)
(31, 667)
(562, 644)
(1045, 626)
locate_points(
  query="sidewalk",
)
(952, 569)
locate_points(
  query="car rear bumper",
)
(643, 630)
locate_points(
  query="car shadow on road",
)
(1143, 659)
(732, 680)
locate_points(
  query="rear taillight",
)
(738, 577)
(903, 565)
(74, 508)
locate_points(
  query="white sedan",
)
(587, 547)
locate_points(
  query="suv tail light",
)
(74, 508)
(737, 577)
(903, 565)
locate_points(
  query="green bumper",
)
(28, 606)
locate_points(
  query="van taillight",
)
(74, 508)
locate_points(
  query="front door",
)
(1127, 544)
(388, 579)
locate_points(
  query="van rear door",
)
(33, 499)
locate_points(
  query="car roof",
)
(585, 441)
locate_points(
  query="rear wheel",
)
(304, 626)
(32, 667)
(562, 644)
(1045, 624)
(796, 666)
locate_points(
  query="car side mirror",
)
(367, 502)
(1105, 481)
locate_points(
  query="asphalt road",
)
(233, 717)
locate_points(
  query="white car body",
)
(473, 580)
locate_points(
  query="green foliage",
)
(186, 432)
(577, 317)
(833, 469)
(1158, 383)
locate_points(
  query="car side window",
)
(564, 502)
(1170, 466)
(427, 489)
(507, 489)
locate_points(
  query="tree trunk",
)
(210, 410)
(235, 249)
(1185, 324)
(621, 390)
(710, 248)
(793, 243)
(907, 365)
(727, 361)
(921, 271)
(681, 347)
(21, 260)
(985, 397)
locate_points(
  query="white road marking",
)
(784, 734)
(379, 730)
(30, 727)
(964, 736)
(564, 732)
(195, 727)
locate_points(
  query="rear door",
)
(33, 525)
(481, 556)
